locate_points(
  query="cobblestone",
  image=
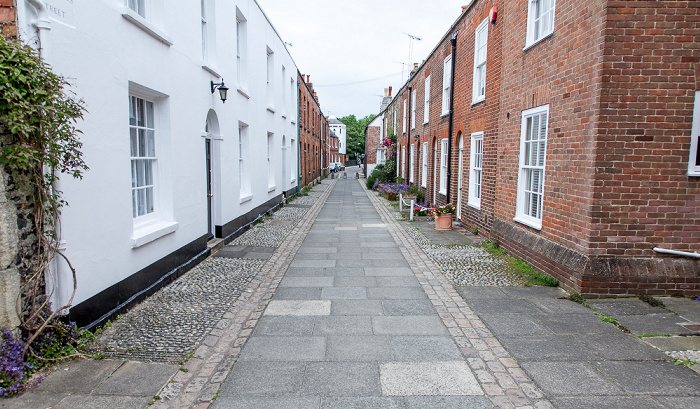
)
(186, 315)
(466, 265)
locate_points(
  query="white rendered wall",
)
(102, 53)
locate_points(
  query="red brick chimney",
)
(389, 91)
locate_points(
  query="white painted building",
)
(171, 165)
(339, 128)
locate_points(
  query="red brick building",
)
(313, 133)
(569, 133)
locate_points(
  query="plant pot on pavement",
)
(443, 222)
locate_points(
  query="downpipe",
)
(677, 253)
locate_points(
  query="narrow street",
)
(339, 306)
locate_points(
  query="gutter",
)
(677, 253)
(43, 26)
(453, 41)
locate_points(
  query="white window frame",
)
(480, 48)
(140, 7)
(476, 161)
(412, 163)
(540, 21)
(271, 180)
(241, 51)
(446, 84)
(426, 101)
(243, 159)
(532, 162)
(144, 165)
(424, 175)
(413, 109)
(284, 93)
(270, 80)
(381, 156)
(205, 50)
(694, 156)
(405, 114)
(443, 166)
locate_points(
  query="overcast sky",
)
(353, 49)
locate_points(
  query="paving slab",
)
(447, 402)
(343, 293)
(505, 306)
(408, 325)
(514, 324)
(547, 348)
(424, 348)
(358, 348)
(654, 324)
(341, 379)
(570, 378)
(298, 307)
(610, 402)
(137, 379)
(660, 378)
(397, 282)
(306, 282)
(680, 402)
(557, 306)
(32, 400)
(621, 346)
(388, 271)
(687, 308)
(407, 307)
(80, 376)
(369, 402)
(103, 402)
(578, 324)
(535, 292)
(356, 307)
(247, 402)
(257, 378)
(428, 378)
(396, 293)
(617, 307)
(674, 343)
(473, 293)
(297, 293)
(284, 348)
(343, 325)
(285, 325)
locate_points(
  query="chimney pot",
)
(415, 65)
(464, 8)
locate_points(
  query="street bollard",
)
(400, 203)
(412, 207)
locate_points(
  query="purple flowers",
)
(13, 370)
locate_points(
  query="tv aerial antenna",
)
(411, 39)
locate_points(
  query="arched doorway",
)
(211, 135)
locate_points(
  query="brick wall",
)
(372, 142)
(312, 125)
(8, 18)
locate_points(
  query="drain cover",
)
(692, 326)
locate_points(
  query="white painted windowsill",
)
(271, 188)
(537, 225)
(211, 69)
(145, 25)
(539, 40)
(246, 197)
(243, 92)
(146, 234)
(475, 205)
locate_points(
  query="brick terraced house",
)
(568, 131)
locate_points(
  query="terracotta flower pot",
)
(443, 222)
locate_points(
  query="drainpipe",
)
(677, 253)
(453, 41)
(43, 26)
(408, 142)
(298, 138)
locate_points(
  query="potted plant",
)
(443, 217)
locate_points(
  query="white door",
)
(460, 177)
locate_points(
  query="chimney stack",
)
(464, 8)
(386, 92)
(389, 91)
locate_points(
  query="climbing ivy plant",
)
(38, 142)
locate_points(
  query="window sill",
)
(146, 234)
(284, 116)
(534, 43)
(246, 197)
(145, 25)
(443, 192)
(271, 109)
(475, 205)
(694, 174)
(213, 71)
(537, 225)
(444, 114)
(242, 92)
(271, 189)
(478, 100)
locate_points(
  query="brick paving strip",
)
(214, 359)
(503, 381)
